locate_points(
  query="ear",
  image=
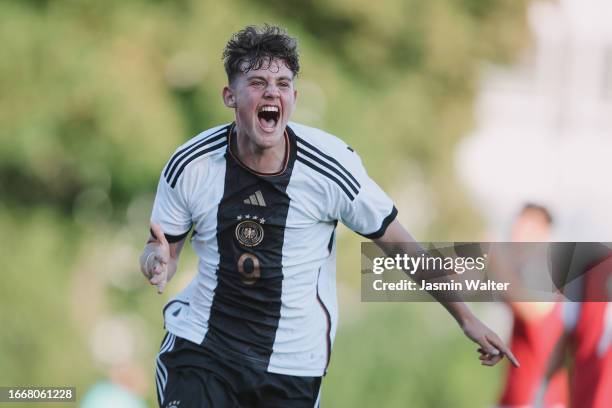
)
(228, 97)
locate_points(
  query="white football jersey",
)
(265, 291)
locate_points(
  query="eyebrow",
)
(283, 78)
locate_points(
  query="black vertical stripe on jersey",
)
(244, 318)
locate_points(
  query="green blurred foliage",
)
(94, 98)
(407, 355)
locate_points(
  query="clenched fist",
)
(154, 260)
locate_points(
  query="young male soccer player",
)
(256, 325)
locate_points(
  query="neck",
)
(262, 160)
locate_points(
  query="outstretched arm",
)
(397, 240)
(159, 258)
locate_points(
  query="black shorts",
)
(190, 376)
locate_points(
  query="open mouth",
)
(268, 116)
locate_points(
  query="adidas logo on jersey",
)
(256, 199)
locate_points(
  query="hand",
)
(492, 349)
(155, 265)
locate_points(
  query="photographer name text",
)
(484, 285)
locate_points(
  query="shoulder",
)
(207, 143)
(321, 139)
(330, 157)
(205, 136)
(323, 144)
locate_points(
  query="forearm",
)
(397, 241)
(450, 299)
(460, 311)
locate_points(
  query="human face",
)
(531, 226)
(263, 100)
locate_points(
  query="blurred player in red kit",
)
(587, 336)
(537, 326)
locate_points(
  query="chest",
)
(232, 199)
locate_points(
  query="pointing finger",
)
(506, 351)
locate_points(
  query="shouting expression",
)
(263, 100)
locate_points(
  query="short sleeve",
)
(370, 211)
(171, 210)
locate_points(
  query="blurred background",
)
(460, 109)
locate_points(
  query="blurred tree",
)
(98, 96)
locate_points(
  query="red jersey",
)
(591, 339)
(532, 343)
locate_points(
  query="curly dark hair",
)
(255, 47)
